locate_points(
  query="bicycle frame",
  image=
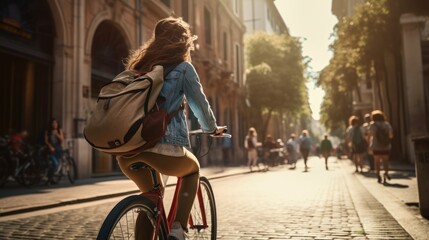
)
(157, 195)
(123, 218)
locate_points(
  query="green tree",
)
(359, 52)
(359, 48)
(275, 78)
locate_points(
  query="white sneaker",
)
(177, 232)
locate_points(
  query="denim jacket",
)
(183, 82)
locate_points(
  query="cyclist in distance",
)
(170, 45)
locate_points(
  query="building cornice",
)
(158, 8)
(236, 19)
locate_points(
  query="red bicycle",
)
(122, 221)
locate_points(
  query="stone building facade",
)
(56, 55)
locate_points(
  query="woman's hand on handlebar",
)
(220, 130)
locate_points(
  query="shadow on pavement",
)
(11, 189)
(394, 175)
(395, 185)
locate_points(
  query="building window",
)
(268, 14)
(185, 10)
(237, 66)
(207, 27)
(106, 60)
(236, 6)
(225, 46)
(166, 3)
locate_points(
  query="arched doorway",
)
(109, 49)
(26, 64)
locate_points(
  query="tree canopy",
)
(362, 40)
(275, 78)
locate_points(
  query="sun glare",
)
(312, 21)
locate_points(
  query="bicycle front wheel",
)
(126, 218)
(203, 219)
(29, 175)
(58, 175)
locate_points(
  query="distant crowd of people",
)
(369, 142)
(272, 152)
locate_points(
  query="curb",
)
(101, 197)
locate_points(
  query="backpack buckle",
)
(114, 143)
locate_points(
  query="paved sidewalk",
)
(399, 196)
(15, 199)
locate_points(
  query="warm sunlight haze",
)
(313, 22)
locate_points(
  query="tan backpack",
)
(127, 118)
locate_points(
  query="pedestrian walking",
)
(280, 150)
(305, 146)
(368, 154)
(251, 144)
(268, 147)
(357, 142)
(170, 45)
(326, 149)
(292, 150)
(381, 134)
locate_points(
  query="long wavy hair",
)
(170, 43)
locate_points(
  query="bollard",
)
(421, 147)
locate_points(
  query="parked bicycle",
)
(66, 167)
(31, 165)
(4, 166)
(121, 222)
(21, 167)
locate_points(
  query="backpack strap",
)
(171, 115)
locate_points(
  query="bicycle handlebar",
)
(201, 132)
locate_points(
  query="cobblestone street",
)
(278, 204)
(319, 204)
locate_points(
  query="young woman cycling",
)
(170, 45)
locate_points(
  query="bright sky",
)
(313, 21)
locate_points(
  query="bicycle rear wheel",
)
(121, 222)
(70, 169)
(4, 170)
(203, 219)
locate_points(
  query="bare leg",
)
(249, 162)
(377, 167)
(326, 163)
(385, 159)
(360, 161)
(355, 160)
